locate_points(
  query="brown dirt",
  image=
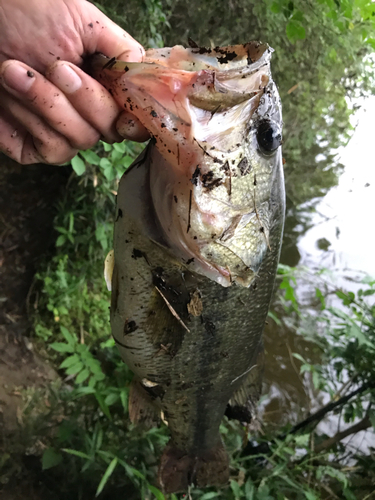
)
(27, 199)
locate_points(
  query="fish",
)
(197, 237)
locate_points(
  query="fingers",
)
(131, 128)
(95, 104)
(103, 35)
(43, 99)
(25, 138)
(90, 99)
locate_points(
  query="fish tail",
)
(178, 469)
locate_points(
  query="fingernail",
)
(65, 78)
(18, 78)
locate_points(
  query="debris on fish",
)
(197, 239)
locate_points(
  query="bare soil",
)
(28, 195)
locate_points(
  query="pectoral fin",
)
(141, 408)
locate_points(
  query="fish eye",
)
(268, 136)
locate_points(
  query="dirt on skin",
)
(28, 195)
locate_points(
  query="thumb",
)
(100, 34)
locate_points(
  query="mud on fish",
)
(197, 239)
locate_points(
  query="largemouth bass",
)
(196, 244)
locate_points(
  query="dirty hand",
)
(49, 108)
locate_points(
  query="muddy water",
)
(340, 238)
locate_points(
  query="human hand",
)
(50, 108)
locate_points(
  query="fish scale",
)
(196, 245)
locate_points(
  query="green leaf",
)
(158, 494)
(111, 467)
(82, 391)
(299, 357)
(119, 147)
(109, 173)
(61, 347)
(126, 161)
(275, 7)
(94, 365)
(320, 296)
(67, 335)
(51, 458)
(310, 495)
(274, 318)
(82, 376)
(72, 370)
(78, 165)
(105, 163)
(107, 147)
(77, 453)
(209, 495)
(90, 156)
(103, 406)
(295, 31)
(60, 240)
(69, 361)
(236, 489)
(112, 398)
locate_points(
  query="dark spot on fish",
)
(192, 44)
(244, 166)
(169, 151)
(194, 179)
(209, 327)
(209, 182)
(137, 253)
(261, 229)
(255, 180)
(186, 385)
(216, 160)
(175, 129)
(175, 199)
(126, 69)
(195, 237)
(224, 354)
(240, 413)
(193, 85)
(189, 214)
(130, 327)
(163, 125)
(119, 214)
(154, 392)
(254, 285)
(154, 114)
(29, 73)
(128, 99)
(227, 57)
(90, 25)
(190, 261)
(126, 241)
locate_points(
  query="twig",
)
(364, 424)
(315, 417)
